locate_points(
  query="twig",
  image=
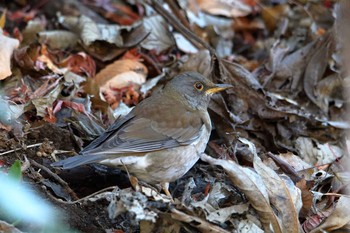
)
(57, 178)
(87, 197)
(180, 27)
(17, 149)
(178, 12)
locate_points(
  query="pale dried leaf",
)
(7, 46)
(89, 31)
(338, 218)
(41, 104)
(196, 222)
(150, 83)
(199, 62)
(222, 215)
(228, 8)
(71, 77)
(9, 112)
(116, 70)
(129, 201)
(58, 39)
(183, 44)
(32, 29)
(160, 38)
(285, 64)
(329, 89)
(314, 152)
(280, 195)
(121, 110)
(246, 226)
(316, 68)
(252, 186)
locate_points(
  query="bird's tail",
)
(76, 161)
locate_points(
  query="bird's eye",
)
(198, 86)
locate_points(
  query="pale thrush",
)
(162, 137)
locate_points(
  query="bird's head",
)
(194, 89)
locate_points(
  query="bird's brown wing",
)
(155, 128)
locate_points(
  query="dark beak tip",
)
(224, 86)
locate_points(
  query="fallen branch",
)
(57, 178)
(17, 149)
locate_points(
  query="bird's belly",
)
(171, 167)
(161, 166)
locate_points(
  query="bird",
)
(161, 138)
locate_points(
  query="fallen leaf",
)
(117, 77)
(338, 218)
(282, 193)
(228, 8)
(7, 46)
(253, 187)
(314, 152)
(196, 222)
(247, 226)
(160, 38)
(58, 39)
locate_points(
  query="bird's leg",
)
(134, 183)
(165, 187)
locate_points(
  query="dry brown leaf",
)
(272, 15)
(222, 215)
(43, 103)
(110, 75)
(104, 41)
(160, 38)
(199, 62)
(228, 8)
(113, 78)
(286, 199)
(338, 218)
(329, 89)
(200, 224)
(317, 67)
(313, 152)
(164, 224)
(306, 196)
(285, 64)
(33, 27)
(253, 187)
(7, 46)
(89, 31)
(58, 39)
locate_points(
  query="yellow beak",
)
(217, 88)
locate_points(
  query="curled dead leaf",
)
(253, 187)
(7, 46)
(228, 8)
(119, 79)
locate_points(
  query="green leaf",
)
(15, 171)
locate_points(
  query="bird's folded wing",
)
(147, 132)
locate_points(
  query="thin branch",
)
(57, 178)
(196, 41)
(87, 197)
(17, 149)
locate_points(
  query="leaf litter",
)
(276, 158)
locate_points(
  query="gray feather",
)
(76, 161)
